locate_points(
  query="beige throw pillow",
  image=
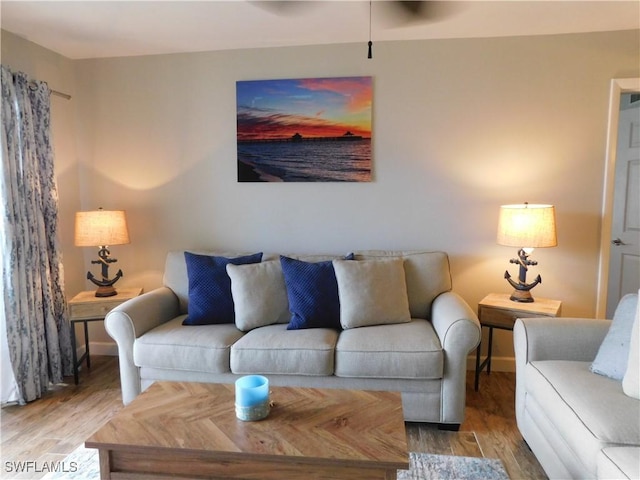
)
(259, 294)
(631, 380)
(372, 292)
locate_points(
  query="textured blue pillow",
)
(312, 290)
(210, 299)
(613, 354)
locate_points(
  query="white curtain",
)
(33, 311)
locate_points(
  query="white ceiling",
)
(93, 29)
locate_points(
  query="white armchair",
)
(579, 424)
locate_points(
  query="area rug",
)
(82, 464)
(425, 466)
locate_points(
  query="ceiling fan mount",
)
(393, 13)
(396, 11)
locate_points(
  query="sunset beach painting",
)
(304, 130)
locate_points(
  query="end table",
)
(496, 310)
(85, 307)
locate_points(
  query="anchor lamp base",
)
(105, 285)
(523, 296)
(522, 292)
(106, 291)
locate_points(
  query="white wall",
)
(460, 127)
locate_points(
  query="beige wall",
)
(460, 127)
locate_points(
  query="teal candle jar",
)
(252, 398)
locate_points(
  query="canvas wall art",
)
(304, 130)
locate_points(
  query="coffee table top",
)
(352, 426)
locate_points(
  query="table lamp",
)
(527, 227)
(101, 228)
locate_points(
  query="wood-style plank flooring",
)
(50, 428)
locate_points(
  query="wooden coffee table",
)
(189, 430)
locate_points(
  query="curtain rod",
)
(60, 94)
(66, 96)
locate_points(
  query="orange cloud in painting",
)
(356, 90)
(318, 107)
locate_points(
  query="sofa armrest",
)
(458, 328)
(576, 339)
(131, 319)
(537, 339)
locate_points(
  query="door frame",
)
(617, 88)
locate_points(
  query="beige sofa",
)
(579, 424)
(423, 356)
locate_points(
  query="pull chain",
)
(369, 55)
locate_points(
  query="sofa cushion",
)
(203, 348)
(589, 411)
(408, 350)
(275, 350)
(372, 292)
(210, 299)
(427, 276)
(631, 380)
(312, 291)
(259, 294)
(619, 463)
(613, 353)
(427, 273)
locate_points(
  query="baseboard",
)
(498, 364)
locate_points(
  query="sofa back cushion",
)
(372, 292)
(427, 273)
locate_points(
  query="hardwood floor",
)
(50, 428)
(489, 429)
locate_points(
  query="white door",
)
(624, 260)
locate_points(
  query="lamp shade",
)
(98, 228)
(528, 226)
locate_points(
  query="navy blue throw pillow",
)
(312, 290)
(210, 299)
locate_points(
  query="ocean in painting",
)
(305, 161)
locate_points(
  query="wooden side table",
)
(85, 307)
(496, 310)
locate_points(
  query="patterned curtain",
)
(32, 301)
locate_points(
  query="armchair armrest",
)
(458, 328)
(131, 319)
(537, 339)
(576, 339)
